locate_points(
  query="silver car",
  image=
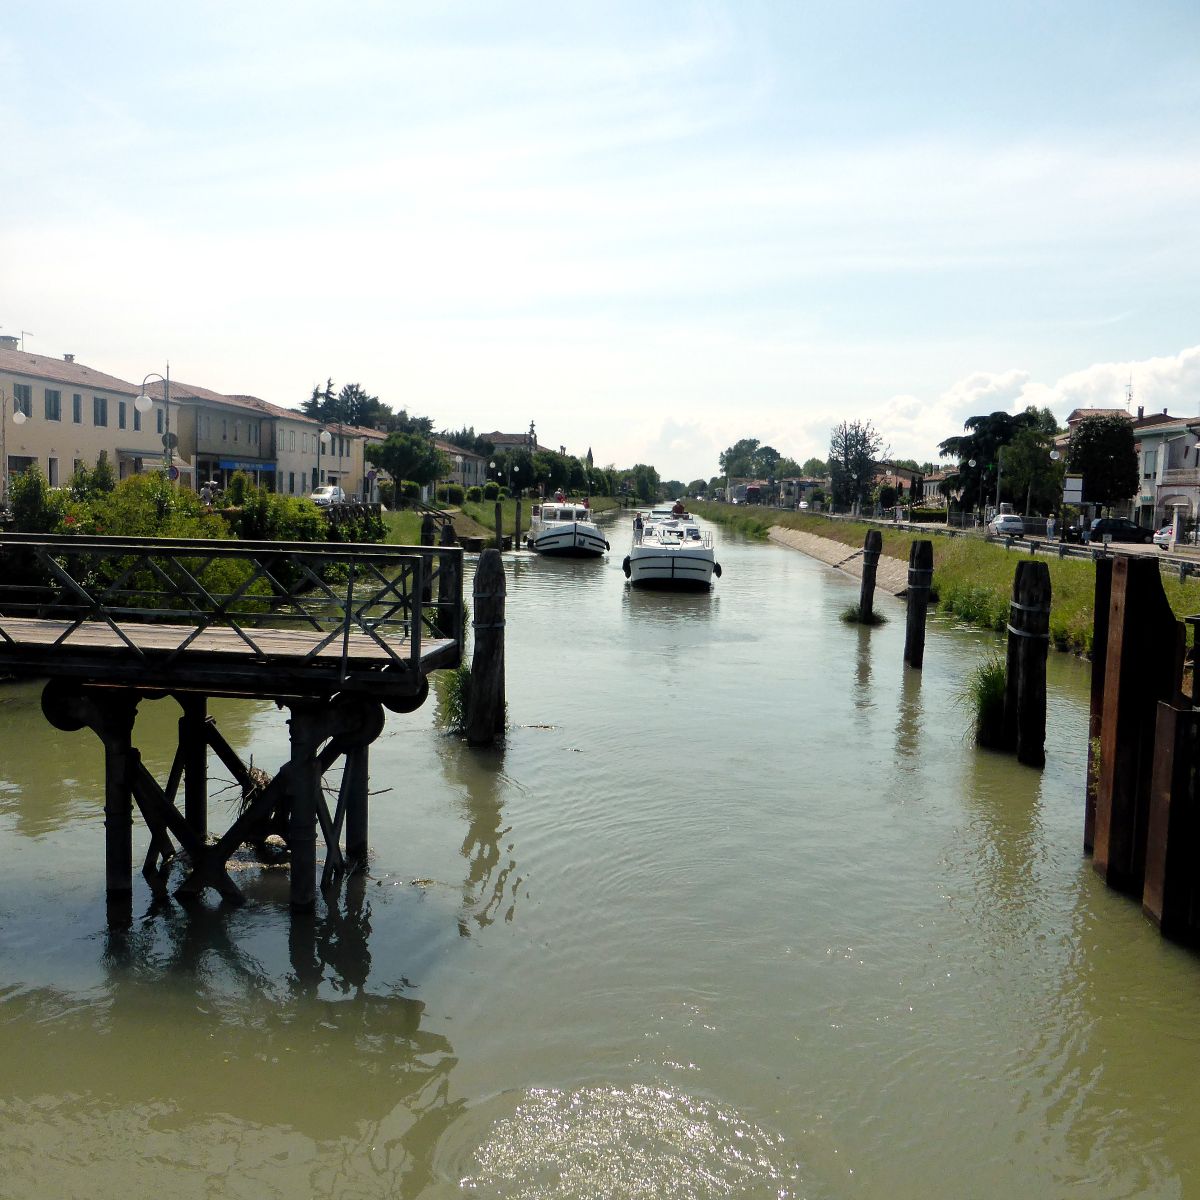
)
(1006, 525)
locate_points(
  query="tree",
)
(977, 452)
(738, 459)
(1102, 451)
(1029, 471)
(697, 487)
(352, 405)
(675, 487)
(815, 468)
(855, 448)
(409, 456)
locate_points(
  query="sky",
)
(652, 229)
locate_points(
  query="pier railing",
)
(327, 615)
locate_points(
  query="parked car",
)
(1119, 529)
(329, 493)
(1162, 538)
(1006, 525)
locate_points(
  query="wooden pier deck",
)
(332, 632)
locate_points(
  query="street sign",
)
(172, 473)
(170, 440)
(371, 475)
(1073, 489)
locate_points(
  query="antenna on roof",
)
(24, 334)
(1129, 392)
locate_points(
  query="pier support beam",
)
(872, 548)
(1025, 671)
(920, 580)
(485, 712)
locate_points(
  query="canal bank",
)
(891, 575)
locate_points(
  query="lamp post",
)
(971, 462)
(999, 469)
(144, 403)
(458, 471)
(324, 441)
(516, 470)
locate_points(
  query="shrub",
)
(452, 493)
(387, 493)
(410, 490)
(475, 494)
(983, 696)
(927, 514)
(491, 490)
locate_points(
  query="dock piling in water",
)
(485, 712)
(872, 548)
(1025, 674)
(920, 579)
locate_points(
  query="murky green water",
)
(736, 912)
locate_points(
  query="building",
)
(466, 467)
(60, 414)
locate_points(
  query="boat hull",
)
(568, 541)
(678, 570)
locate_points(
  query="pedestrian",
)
(1050, 527)
(206, 496)
(638, 526)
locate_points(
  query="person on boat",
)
(678, 510)
(638, 525)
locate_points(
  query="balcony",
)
(1180, 477)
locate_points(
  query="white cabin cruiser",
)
(564, 527)
(670, 551)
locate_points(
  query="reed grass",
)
(983, 697)
(854, 616)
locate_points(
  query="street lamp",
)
(144, 403)
(324, 441)
(971, 462)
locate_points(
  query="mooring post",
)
(1025, 674)
(1144, 650)
(193, 742)
(920, 579)
(448, 584)
(517, 528)
(1100, 605)
(1172, 885)
(485, 710)
(872, 547)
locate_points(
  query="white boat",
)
(670, 551)
(564, 527)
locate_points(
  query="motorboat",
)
(566, 528)
(670, 550)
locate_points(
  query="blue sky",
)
(652, 229)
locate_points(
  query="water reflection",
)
(863, 697)
(651, 606)
(492, 883)
(49, 779)
(908, 718)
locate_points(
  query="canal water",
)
(737, 911)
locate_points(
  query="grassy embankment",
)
(972, 579)
(472, 519)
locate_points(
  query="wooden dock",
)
(334, 633)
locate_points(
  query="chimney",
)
(1164, 412)
(1141, 412)
(68, 358)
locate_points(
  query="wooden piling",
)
(448, 585)
(304, 782)
(872, 548)
(193, 741)
(1025, 675)
(116, 730)
(920, 579)
(516, 544)
(485, 710)
(357, 768)
(499, 526)
(1171, 892)
(1100, 605)
(1143, 665)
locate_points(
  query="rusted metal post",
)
(1100, 606)
(1025, 676)
(920, 579)
(1143, 667)
(485, 709)
(1171, 893)
(872, 547)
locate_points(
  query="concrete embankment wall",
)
(892, 576)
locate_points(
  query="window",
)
(120, 414)
(99, 410)
(291, 439)
(23, 399)
(237, 431)
(52, 470)
(77, 409)
(292, 480)
(1149, 463)
(158, 419)
(53, 405)
(137, 420)
(224, 430)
